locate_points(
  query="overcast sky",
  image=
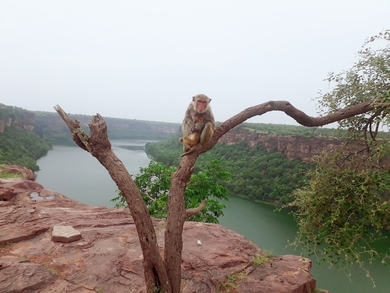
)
(146, 59)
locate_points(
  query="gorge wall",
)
(14, 116)
(293, 147)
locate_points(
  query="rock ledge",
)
(108, 257)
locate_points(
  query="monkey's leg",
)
(207, 133)
(191, 140)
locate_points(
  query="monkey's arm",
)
(187, 123)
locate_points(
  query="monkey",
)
(199, 106)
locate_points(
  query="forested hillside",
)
(22, 147)
(256, 173)
(19, 145)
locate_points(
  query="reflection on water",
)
(35, 196)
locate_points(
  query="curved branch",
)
(290, 110)
(195, 211)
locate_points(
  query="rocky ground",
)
(106, 257)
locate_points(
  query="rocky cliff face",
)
(293, 147)
(14, 116)
(108, 258)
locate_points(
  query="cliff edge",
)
(108, 258)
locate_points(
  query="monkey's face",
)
(201, 106)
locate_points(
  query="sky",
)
(146, 59)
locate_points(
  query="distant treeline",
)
(50, 126)
(256, 173)
(12, 112)
(291, 130)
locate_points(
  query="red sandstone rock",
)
(65, 234)
(6, 193)
(27, 173)
(109, 257)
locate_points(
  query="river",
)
(76, 174)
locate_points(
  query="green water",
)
(76, 174)
(272, 230)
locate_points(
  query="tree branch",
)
(78, 135)
(288, 109)
(195, 211)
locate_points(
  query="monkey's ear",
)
(193, 98)
(209, 100)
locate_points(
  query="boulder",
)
(65, 234)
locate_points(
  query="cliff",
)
(14, 116)
(293, 147)
(106, 257)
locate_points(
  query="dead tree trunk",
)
(100, 147)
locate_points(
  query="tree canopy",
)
(257, 173)
(345, 207)
(208, 185)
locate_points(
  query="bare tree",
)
(165, 273)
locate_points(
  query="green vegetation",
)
(11, 112)
(261, 258)
(231, 282)
(22, 147)
(5, 244)
(256, 173)
(154, 182)
(50, 269)
(5, 174)
(290, 130)
(345, 207)
(295, 130)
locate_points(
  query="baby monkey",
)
(194, 137)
